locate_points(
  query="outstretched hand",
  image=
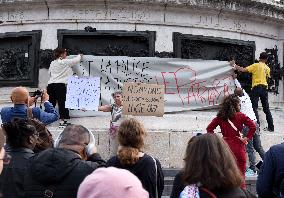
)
(232, 63)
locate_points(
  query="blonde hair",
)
(131, 135)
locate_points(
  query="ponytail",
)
(128, 155)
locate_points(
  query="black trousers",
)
(260, 92)
(57, 93)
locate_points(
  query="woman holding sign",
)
(60, 69)
(116, 113)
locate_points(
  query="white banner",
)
(189, 84)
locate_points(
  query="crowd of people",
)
(34, 164)
(72, 167)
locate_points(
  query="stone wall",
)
(167, 136)
(243, 20)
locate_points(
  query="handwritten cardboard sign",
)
(143, 99)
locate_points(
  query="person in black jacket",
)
(130, 156)
(271, 173)
(58, 172)
(21, 140)
(210, 171)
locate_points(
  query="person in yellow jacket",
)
(260, 72)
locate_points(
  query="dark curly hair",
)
(18, 132)
(229, 107)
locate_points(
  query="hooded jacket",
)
(57, 173)
(12, 176)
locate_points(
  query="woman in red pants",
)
(231, 122)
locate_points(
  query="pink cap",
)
(111, 182)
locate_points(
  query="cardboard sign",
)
(143, 99)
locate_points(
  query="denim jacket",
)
(47, 116)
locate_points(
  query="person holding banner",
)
(260, 73)
(116, 113)
(60, 69)
(255, 143)
(231, 122)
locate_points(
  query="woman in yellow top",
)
(260, 72)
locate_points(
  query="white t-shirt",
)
(246, 106)
(60, 69)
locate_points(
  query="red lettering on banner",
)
(191, 90)
(169, 81)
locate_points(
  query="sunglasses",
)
(6, 159)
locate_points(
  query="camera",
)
(36, 93)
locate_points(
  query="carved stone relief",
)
(19, 58)
(276, 71)
(108, 43)
(211, 48)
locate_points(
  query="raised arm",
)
(238, 84)
(237, 67)
(49, 115)
(71, 61)
(105, 108)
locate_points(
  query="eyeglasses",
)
(6, 159)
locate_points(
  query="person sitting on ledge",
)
(22, 102)
(210, 170)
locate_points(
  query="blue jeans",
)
(254, 143)
(260, 92)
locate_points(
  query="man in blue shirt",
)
(22, 101)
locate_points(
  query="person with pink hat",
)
(111, 182)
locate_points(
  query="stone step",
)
(170, 173)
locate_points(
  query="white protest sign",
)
(83, 93)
